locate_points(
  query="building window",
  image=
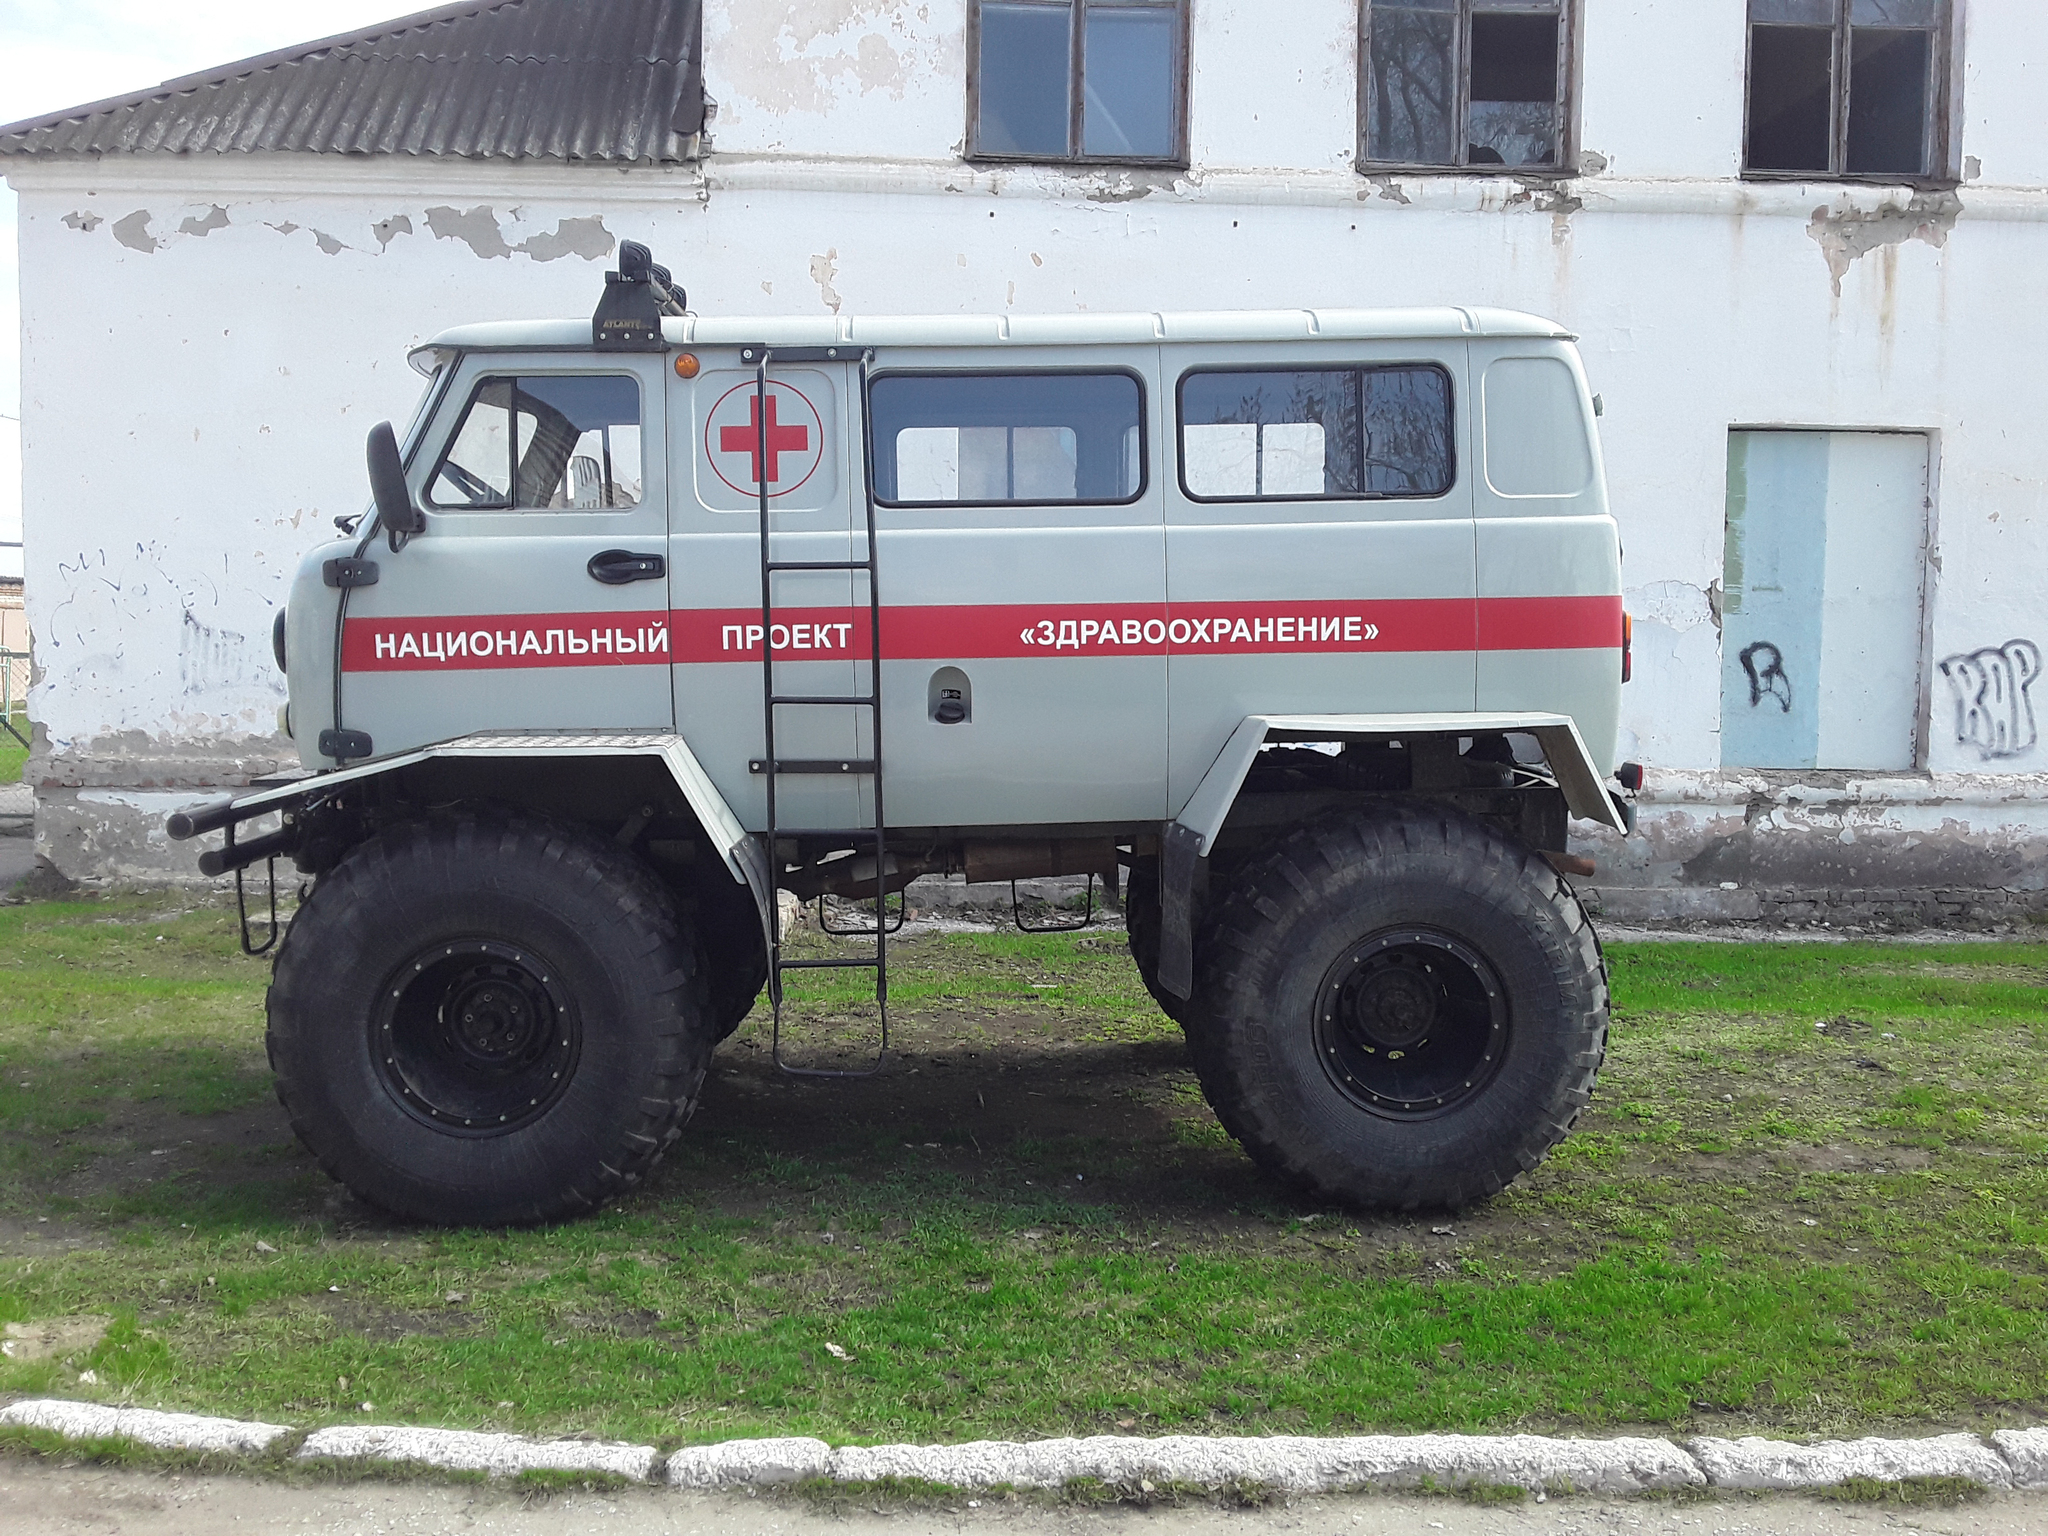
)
(1467, 85)
(1847, 88)
(1079, 80)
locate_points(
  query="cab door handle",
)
(616, 567)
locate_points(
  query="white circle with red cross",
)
(795, 439)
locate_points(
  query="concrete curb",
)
(1781, 1464)
(164, 1431)
(462, 1450)
(2015, 1458)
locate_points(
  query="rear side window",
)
(562, 442)
(1007, 439)
(1326, 434)
(1535, 429)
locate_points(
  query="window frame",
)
(1180, 427)
(1570, 19)
(1076, 80)
(1941, 121)
(872, 448)
(486, 376)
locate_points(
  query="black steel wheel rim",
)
(475, 1037)
(1411, 1023)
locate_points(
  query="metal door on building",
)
(536, 593)
(1822, 599)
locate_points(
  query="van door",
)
(1024, 578)
(718, 465)
(1319, 537)
(537, 597)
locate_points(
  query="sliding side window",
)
(1326, 434)
(1007, 439)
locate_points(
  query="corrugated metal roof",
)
(611, 80)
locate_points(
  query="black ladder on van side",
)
(772, 767)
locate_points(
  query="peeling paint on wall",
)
(587, 238)
(387, 230)
(477, 229)
(1846, 234)
(133, 232)
(793, 58)
(823, 269)
(216, 218)
(329, 246)
(87, 222)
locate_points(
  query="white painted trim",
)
(1115, 188)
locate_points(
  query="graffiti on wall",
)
(1993, 711)
(1764, 665)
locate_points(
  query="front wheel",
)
(488, 1021)
(1399, 1008)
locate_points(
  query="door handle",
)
(616, 567)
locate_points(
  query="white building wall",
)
(198, 383)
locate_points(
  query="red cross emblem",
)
(734, 441)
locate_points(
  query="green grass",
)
(1032, 1224)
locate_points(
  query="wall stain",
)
(1846, 234)
(133, 232)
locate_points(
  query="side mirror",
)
(396, 514)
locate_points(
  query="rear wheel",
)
(488, 1021)
(1399, 1008)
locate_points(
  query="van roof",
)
(1084, 329)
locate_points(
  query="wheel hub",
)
(1411, 1023)
(475, 1037)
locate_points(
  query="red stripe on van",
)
(964, 632)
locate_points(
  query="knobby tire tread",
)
(1242, 952)
(513, 854)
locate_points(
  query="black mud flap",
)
(1179, 851)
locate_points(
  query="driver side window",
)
(559, 442)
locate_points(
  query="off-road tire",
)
(1142, 925)
(553, 929)
(1364, 888)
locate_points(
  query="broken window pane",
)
(1024, 74)
(1414, 91)
(1513, 116)
(1894, 13)
(1888, 91)
(1809, 13)
(1791, 82)
(1129, 81)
